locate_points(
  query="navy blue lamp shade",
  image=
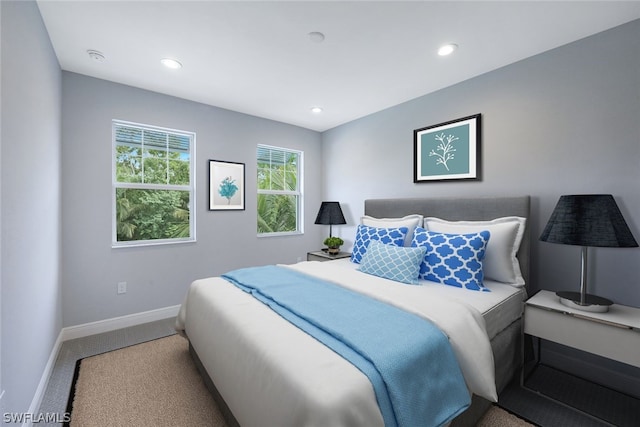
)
(329, 214)
(587, 220)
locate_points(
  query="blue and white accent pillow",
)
(400, 264)
(365, 234)
(501, 260)
(453, 259)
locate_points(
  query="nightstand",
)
(614, 334)
(325, 256)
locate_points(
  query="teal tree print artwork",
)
(228, 188)
(226, 185)
(445, 150)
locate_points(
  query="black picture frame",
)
(448, 151)
(226, 186)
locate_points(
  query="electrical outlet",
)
(122, 288)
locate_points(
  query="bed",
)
(263, 370)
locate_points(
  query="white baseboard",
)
(44, 380)
(107, 325)
(93, 328)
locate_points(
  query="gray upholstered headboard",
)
(459, 209)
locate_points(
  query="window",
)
(279, 191)
(153, 185)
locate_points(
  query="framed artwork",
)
(447, 151)
(226, 186)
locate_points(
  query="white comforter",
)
(271, 373)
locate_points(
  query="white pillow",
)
(500, 262)
(409, 221)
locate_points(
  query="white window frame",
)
(142, 186)
(299, 193)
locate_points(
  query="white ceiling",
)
(257, 57)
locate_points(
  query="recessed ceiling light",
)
(316, 36)
(96, 55)
(447, 49)
(171, 63)
(316, 110)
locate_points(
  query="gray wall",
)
(159, 276)
(563, 122)
(30, 194)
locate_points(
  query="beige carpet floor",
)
(498, 417)
(157, 384)
(149, 384)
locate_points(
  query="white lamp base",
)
(592, 303)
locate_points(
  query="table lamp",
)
(587, 220)
(330, 213)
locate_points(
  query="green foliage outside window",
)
(151, 214)
(277, 213)
(278, 191)
(159, 167)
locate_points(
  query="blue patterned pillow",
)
(392, 262)
(365, 234)
(453, 259)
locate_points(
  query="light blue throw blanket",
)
(415, 374)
